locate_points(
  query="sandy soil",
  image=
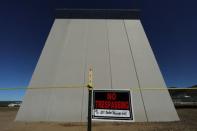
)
(188, 123)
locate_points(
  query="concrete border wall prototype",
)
(120, 54)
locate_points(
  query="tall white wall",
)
(121, 57)
(158, 103)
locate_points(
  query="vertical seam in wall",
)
(135, 68)
(107, 30)
(85, 65)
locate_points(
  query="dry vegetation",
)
(188, 123)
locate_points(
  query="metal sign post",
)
(90, 87)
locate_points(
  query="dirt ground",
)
(188, 122)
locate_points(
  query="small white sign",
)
(111, 113)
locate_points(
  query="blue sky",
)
(24, 26)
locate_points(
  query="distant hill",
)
(6, 103)
(195, 86)
(182, 97)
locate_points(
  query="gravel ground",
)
(188, 122)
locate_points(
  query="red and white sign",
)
(112, 104)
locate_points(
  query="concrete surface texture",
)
(121, 57)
